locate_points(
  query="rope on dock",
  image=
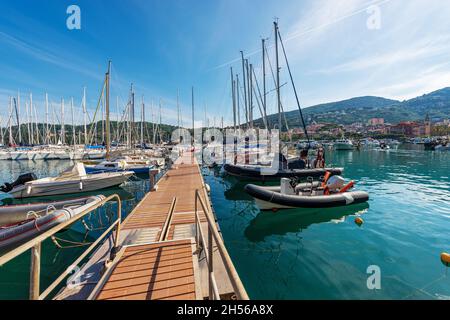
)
(73, 244)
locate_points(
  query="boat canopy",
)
(75, 172)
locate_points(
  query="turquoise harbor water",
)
(321, 254)
(14, 276)
(325, 255)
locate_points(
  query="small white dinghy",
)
(14, 235)
(74, 180)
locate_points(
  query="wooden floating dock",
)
(164, 254)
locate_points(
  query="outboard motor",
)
(287, 187)
(335, 183)
(22, 179)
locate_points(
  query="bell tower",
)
(427, 125)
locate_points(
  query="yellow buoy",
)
(359, 221)
(445, 258)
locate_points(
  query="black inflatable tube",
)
(255, 173)
(334, 200)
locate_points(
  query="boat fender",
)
(81, 185)
(348, 198)
(350, 185)
(208, 188)
(29, 189)
(445, 258)
(359, 221)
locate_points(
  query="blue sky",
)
(162, 46)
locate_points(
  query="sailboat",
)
(278, 166)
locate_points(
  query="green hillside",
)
(361, 109)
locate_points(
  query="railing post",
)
(153, 174)
(119, 224)
(197, 236)
(210, 262)
(35, 272)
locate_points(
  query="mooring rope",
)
(73, 244)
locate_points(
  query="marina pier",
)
(166, 250)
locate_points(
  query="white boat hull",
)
(19, 156)
(45, 187)
(5, 156)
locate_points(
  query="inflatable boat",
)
(13, 235)
(11, 214)
(330, 193)
(261, 173)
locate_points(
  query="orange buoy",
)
(359, 221)
(445, 258)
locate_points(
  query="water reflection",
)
(266, 224)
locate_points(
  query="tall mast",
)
(46, 120)
(264, 75)
(54, 123)
(206, 125)
(244, 83)
(238, 102)
(160, 123)
(73, 124)
(178, 108)
(63, 130)
(103, 119)
(31, 118)
(10, 124)
(18, 116)
(153, 121)
(132, 118)
(142, 121)
(28, 123)
(250, 87)
(275, 24)
(85, 116)
(118, 120)
(295, 91)
(193, 117)
(108, 135)
(1, 132)
(247, 94)
(37, 126)
(233, 98)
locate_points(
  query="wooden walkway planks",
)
(147, 269)
(163, 270)
(180, 182)
(153, 272)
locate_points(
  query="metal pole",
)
(210, 262)
(275, 24)
(264, 75)
(35, 271)
(47, 135)
(18, 117)
(108, 134)
(243, 76)
(85, 117)
(193, 129)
